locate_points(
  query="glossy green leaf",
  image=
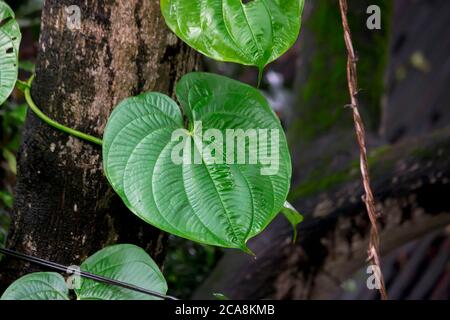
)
(213, 203)
(9, 51)
(293, 216)
(252, 33)
(38, 286)
(126, 263)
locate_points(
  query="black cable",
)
(84, 274)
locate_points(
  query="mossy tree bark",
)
(321, 136)
(65, 209)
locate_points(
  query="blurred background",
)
(404, 81)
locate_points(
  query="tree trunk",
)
(65, 209)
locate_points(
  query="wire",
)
(84, 274)
(26, 87)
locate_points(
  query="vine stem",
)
(26, 87)
(352, 78)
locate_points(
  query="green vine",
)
(26, 87)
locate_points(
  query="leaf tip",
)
(247, 250)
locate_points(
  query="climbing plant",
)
(208, 195)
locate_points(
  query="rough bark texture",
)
(65, 209)
(411, 181)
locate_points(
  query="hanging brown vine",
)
(374, 242)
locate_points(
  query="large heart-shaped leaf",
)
(124, 262)
(219, 203)
(252, 33)
(9, 51)
(38, 286)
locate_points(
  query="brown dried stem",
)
(374, 242)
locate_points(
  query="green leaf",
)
(213, 203)
(27, 65)
(16, 116)
(11, 159)
(220, 296)
(126, 263)
(6, 198)
(255, 33)
(293, 216)
(9, 51)
(38, 286)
